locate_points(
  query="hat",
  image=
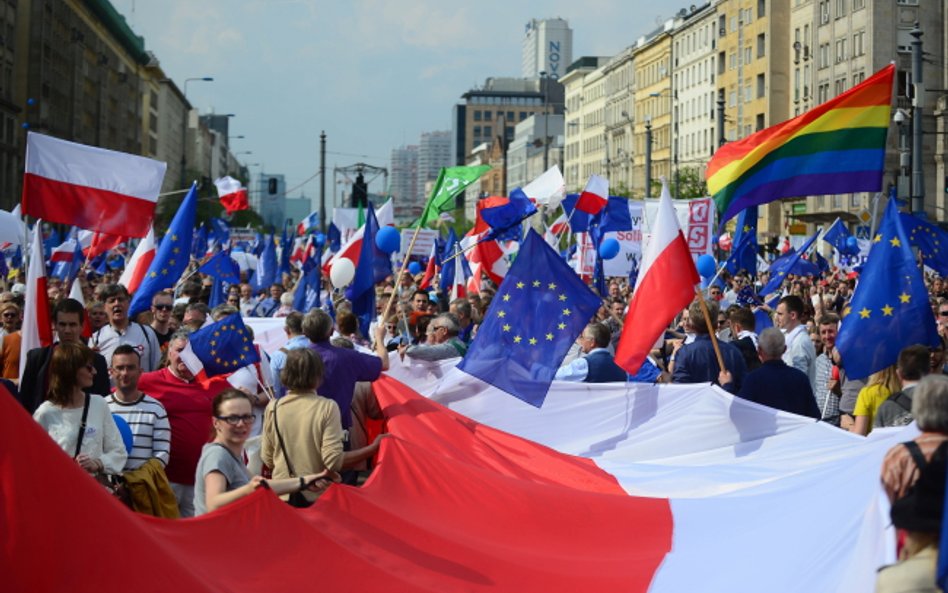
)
(923, 507)
(18, 289)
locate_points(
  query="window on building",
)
(761, 8)
(487, 115)
(824, 12)
(477, 131)
(840, 50)
(761, 46)
(732, 60)
(760, 122)
(748, 54)
(824, 55)
(840, 86)
(487, 131)
(858, 43)
(855, 200)
(823, 92)
(840, 8)
(732, 99)
(907, 2)
(721, 63)
(859, 4)
(510, 116)
(523, 114)
(858, 78)
(477, 116)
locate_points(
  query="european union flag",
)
(286, 249)
(838, 236)
(890, 308)
(790, 264)
(306, 293)
(172, 257)
(334, 237)
(744, 253)
(199, 242)
(219, 234)
(539, 310)
(266, 273)
(614, 217)
(222, 267)
(931, 242)
(224, 347)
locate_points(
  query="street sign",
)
(862, 232)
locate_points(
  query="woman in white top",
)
(68, 410)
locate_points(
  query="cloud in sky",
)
(374, 74)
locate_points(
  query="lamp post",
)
(184, 126)
(546, 121)
(648, 155)
(918, 177)
(902, 179)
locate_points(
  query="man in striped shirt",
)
(144, 414)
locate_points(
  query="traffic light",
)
(272, 186)
(360, 192)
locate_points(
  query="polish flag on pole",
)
(232, 194)
(428, 278)
(91, 188)
(75, 292)
(666, 285)
(352, 249)
(138, 265)
(595, 195)
(37, 330)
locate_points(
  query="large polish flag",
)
(232, 195)
(595, 196)
(89, 187)
(352, 248)
(37, 330)
(478, 491)
(138, 265)
(665, 286)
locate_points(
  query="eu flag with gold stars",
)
(931, 242)
(539, 310)
(172, 258)
(889, 309)
(224, 347)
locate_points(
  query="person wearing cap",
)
(919, 513)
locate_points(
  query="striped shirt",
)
(151, 430)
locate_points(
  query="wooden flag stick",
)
(710, 326)
(401, 272)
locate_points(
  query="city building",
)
(653, 110)
(404, 183)
(527, 155)
(584, 146)
(434, 153)
(619, 73)
(547, 48)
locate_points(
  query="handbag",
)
(114, 484)
(296, 499)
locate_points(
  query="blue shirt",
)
(343, 368)
(278, 361)
(697, 363)
(778, 385)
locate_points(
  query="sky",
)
(373, 74)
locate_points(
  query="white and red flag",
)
(138, 265)
(89, 187)
(232, 194)
(595, 195)
(37, 331)
(665, 286)
(352, 249)
(310, 222)
(430, 269)
(75, 292)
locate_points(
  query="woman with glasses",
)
(222, 475)
(81, 424)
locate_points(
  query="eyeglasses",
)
(9, 314)
(941, 313)
(163, 307)
(235, 420)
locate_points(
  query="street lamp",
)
(544, 78)
(648, 155)
(184, 127)
(902, 182)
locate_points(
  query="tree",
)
(691, 184)
(208, 207)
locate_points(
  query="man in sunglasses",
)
(68, 317)
(122, 330)
(161, 306)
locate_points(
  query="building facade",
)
(547, 48)
(434, 153)
(404, 183)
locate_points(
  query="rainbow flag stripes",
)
(837, 147)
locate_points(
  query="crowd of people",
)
(188, 447)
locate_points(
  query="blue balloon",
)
(414, 268)
(852, 245)
(320, 239)
(126, 431)
(388, 239)
(707, 266)
(609, 248)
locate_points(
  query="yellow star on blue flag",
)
(890, 308)
(523, 362)
(930, 241)
(228, 354)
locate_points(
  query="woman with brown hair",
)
(222, 477)
(81, 424)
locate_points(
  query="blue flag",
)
(286, 249)
(505, 220)
(172, 256)
(266, 273)
(838, 236)
(744, 253)
(931, 242)
(223, 347)
(614, 217)
(219, 233)
(306, 294)
(199, 242)
(890, 308)
(222, 267)
(334, 237)
(790, 264)
(374, 266)
(539, 310)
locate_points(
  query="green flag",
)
(451, 182)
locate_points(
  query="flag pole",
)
(401, 272)
(710, 326)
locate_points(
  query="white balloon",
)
(342, 272)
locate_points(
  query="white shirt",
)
(141, 337)
(801, 354)
(577, 369)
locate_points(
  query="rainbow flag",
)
(837, 147)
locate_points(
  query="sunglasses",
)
(941, 313)
(235, 420)
(163, 307)
(9, 314)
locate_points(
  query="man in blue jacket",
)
(775, 383)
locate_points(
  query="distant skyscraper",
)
(404, 181)
(547, 47)
(434, 152)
